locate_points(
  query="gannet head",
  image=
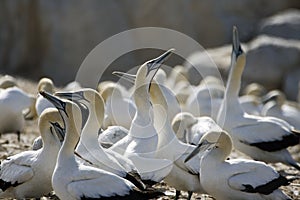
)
(238, 57)
(71, 116)
(255, 89)
(46, 84)
(90, 98)
(7, 81)
(219, 143)
(181, 122)
(47, 120)
(109, 90)
(147, 71)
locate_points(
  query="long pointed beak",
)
(155, 63)
(237, 49)
(59, 104)
(60, 132)
(128, 77)
(72, 96)
(201, 147)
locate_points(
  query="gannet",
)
(190, 129)
(73, 180)
(205, 100)
(112, 135)
(141, 142)
(278, 106)
(88, 146)
(251, 101)
(179, 84)
(13, 101)
(45, 84)
(255, 89)
(118, 109)
(183, 176)
(174, 106)
(235, 179)
(28, 174)
(251, 104)
(262, 138)
(7, 81)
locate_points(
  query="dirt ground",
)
(10, 146)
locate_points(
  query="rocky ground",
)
(9, 145)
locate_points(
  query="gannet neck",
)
(234, 80)
(72, 127)
(49, 137)
(161, 118)
(110, 91)
(143, 105)
(94, 121)
(230, 105)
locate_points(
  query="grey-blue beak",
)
(58, 103)
(236, 46)
(155, 64)
(201, 147)
(128, 77)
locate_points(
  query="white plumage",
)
(13, 101)
(235, 179)
(141, 142)
(88, 146)
(72, 180)
(190, 129)
(28, 174)
(262, 138)
(183, 176)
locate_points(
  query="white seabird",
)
(118, 109)
(278, 106)
(112, 135)
(236, 179)
(141, 142)
(88, 147)
(205, 100)
(183, 176)
(28, 174)
(45, 84)
(13, 101)
(190, 129)
(261, 138)
(73, 180)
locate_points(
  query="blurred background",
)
(51, 38)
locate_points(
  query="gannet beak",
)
(59, 104)
(236, 46)
(128, 77)
(72, 96)
(155, 64)
(201, 147)
(60, 132)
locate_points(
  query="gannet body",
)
(73, 180)
(28, 174)
(235, 179)
(141, 142)
(13, 101)
(190, 129)
(261, 138)
(88, 147)
(183, 176)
